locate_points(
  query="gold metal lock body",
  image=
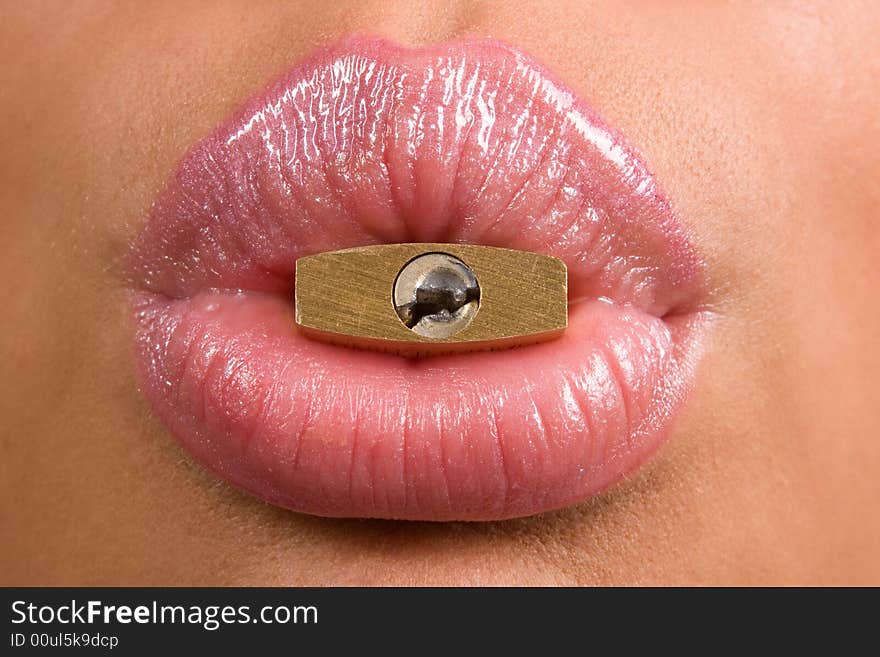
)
(429, 298)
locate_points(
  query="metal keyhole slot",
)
(436, 295)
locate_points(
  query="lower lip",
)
(333, 431)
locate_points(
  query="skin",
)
(760, 122)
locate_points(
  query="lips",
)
(368, 142)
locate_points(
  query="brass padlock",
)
(420, 299)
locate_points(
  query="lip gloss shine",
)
(366, 143)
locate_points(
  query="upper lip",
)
(369, 142)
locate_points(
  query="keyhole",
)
(436, 295)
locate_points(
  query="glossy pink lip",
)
(370, 142)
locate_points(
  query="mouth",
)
(368, 142)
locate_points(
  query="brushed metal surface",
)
(346, 297)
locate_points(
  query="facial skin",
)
(760, 122)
